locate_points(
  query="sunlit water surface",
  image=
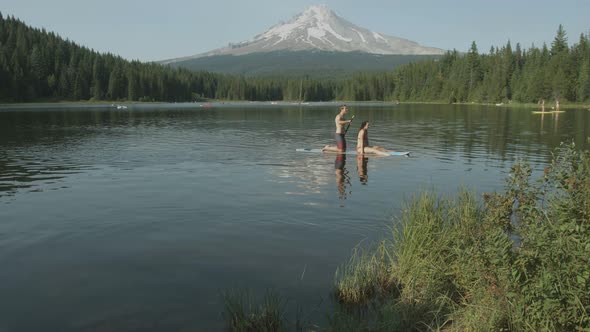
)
(139, 219)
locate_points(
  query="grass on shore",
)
(241, 314)
(518, 261)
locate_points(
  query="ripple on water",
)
(127, 202)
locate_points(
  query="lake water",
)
(137, 219)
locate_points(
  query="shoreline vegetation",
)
(517, 260)
(548, 107)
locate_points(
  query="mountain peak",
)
(313, 28)
(318, 11)
(319, 28)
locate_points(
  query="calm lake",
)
(138, 219)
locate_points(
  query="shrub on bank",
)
(518, 261)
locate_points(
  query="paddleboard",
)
(354, 152)
(549, 112)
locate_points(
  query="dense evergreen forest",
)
(300, 64)
(504, 74)
(36, 65)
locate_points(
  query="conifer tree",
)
(473, 63)
(559, 43)
(583, 82)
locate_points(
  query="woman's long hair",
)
(363, 124)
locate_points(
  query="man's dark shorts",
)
(340, 141)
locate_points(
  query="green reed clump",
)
(365, 276)
(434, 259)
(518, 261)
(242, 315)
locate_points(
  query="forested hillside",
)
(36, 65)
(504, 74)
(319, 65)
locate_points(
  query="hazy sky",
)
(157, 30)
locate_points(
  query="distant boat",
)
(121, 107)
(499, 104)
(207, 105)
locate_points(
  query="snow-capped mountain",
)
(319, 28)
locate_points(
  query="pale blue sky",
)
(156, 30)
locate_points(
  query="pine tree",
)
(473, 63)
(559, 44)
(132, 86)
(99, 79)
(583, 82)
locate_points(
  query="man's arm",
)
(342, 122)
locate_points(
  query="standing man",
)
(340, 131)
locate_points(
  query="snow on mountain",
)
(319, 28)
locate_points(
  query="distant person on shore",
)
(340, 131)
(362, 145)
(543, 105)
(557, 104)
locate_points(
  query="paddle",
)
(346, 130)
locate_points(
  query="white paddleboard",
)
(353, 152)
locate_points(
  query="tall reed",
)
(243, 315)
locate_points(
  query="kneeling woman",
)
(362, 145)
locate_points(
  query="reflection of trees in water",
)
(471, 131)
(35, 146)
(32, 175)
(40, 145)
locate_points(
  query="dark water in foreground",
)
(137, 219)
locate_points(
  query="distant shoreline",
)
(106, 103)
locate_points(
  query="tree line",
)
(36, 65)
(504, 74)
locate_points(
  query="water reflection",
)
(551, 116)
(189, 191)
(40, 147)
(361, 168)
(342, 178)
(33, 175)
